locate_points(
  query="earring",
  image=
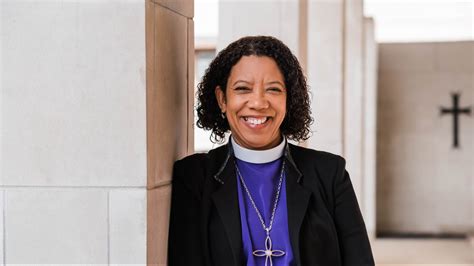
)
(223, 115)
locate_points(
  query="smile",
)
(255, 121)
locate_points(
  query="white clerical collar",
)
(258, 156)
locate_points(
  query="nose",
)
(258, 100)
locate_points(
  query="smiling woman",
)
(254, 102)
(233, 62)
(259, 200)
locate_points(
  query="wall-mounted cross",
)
(456, 111)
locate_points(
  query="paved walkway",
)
(424, 252)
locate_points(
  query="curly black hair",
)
(297, 121)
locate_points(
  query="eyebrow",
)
(268, 83)
(275, 82)
(239, 81)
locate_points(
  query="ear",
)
(220, 96)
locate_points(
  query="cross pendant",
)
(268, 252)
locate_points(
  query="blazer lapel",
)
(225, 199)
(297, 199)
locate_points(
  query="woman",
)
(260, 200)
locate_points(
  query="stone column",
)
(325, 75)
(73, 136)
(91, 126)
(272, 17)
(170, 88)
(353, 92)
(369, 126)
(335, 74)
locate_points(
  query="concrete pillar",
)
(369, 126)
(73, 136)
(170, 90)
(353, 92)
(325, 75)
(335, 74)
(277, 18)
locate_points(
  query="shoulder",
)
(188, 174)
(189, 167)
(191, 161)
(193, 169)
(317, 157)
(198, 161)
(324, 164)
(322, 172)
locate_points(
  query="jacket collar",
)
(219, 177)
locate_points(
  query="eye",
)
(274, 89)
(242, 89)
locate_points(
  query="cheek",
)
(283, 108)
(234, 105)
(283, 114)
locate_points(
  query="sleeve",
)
(352, 235)
(184, 246)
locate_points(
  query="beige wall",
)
(169, 102)
(424, 185)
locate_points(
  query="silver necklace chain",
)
(275, 204)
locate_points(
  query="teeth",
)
(256, 121)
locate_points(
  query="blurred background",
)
(97, 102)
(392, 88)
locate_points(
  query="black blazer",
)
(325, 223)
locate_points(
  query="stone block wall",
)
(96, 99)
(73, 136)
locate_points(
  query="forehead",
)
(255, 68)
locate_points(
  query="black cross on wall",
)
(456, 111)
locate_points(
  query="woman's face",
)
(255, 102)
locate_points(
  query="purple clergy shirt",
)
(262, 181)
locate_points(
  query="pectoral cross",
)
(268, 253)
(456, 111)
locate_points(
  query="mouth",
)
(256, 121)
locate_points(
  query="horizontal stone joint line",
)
(163, 183)
(172, 10)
